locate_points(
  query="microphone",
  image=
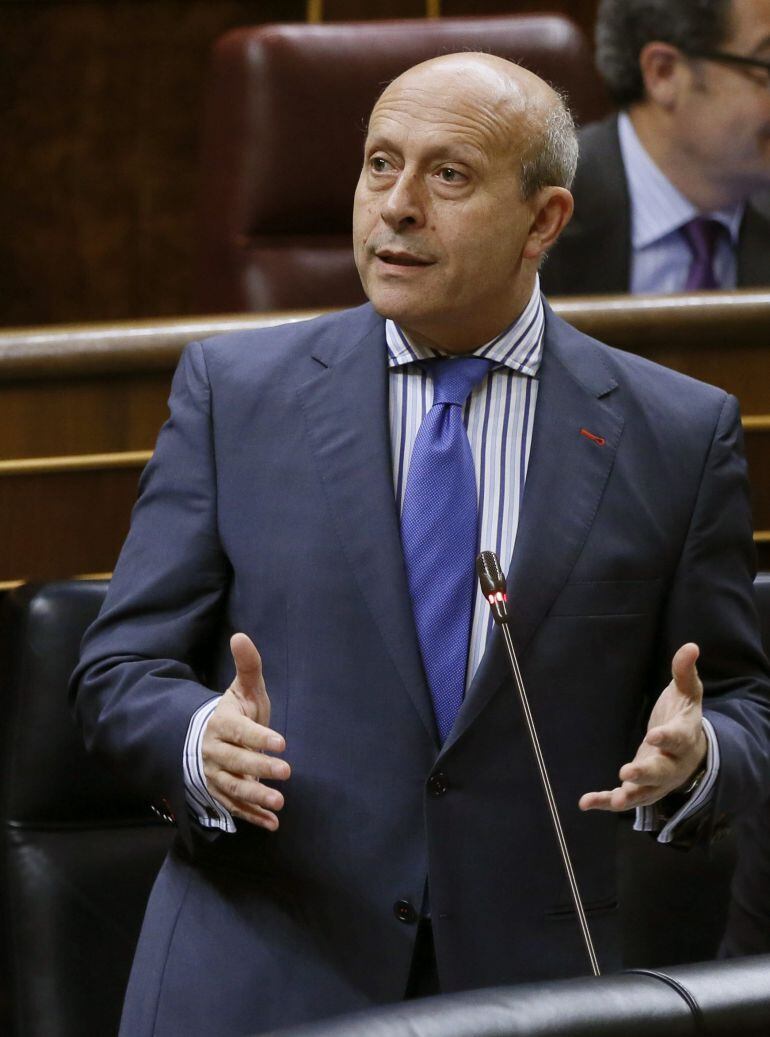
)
(492, 582)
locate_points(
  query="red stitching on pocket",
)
(599, 440)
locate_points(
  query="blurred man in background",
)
(663, 189)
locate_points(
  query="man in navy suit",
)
(407, 860)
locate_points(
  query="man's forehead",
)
(418, 110)
(749, 26)
(480, 114)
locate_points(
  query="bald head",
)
(459, 196)
(492, 80)
(517, 108)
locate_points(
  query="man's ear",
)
(553, 211)
(662, 68)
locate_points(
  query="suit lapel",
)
(346, 408)
(754, 249)
(566, 477)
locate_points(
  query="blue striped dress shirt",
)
(498, 415)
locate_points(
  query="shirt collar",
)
(657, 207)
(519, 346)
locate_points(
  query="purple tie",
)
(702, 235)
(439, 534)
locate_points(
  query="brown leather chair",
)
(285, 114)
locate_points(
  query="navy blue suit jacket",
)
(269, 507)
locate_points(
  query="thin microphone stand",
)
(492, 582)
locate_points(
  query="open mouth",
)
(402, 259)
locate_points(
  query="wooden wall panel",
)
(758, 457)
(60, 524)
(99, 125)
(101, 390)
(763, 556)
(356, 10)
(581, 11)
(81, 415)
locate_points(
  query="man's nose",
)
(404, 204)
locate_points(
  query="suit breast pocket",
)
(608, 598)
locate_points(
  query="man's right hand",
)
(236, 742)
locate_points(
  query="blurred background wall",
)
(100, 104)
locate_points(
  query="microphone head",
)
(492, 581)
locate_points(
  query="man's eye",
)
(450, 175)
(378, 164)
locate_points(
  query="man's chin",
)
(394, 304)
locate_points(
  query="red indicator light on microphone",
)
(498, 602)
(492, 580)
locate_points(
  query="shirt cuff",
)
(207, 811)
(648, 819)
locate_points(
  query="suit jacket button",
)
(405, 912)
(438, 784)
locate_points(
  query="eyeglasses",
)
(732, 59)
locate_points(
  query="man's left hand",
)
(673, 749)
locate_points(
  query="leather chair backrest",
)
(725, 999)
(79, 853)
(285, 115)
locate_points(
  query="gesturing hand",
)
(237, 739)
(673, 748)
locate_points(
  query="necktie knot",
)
(455, 378)
(702, 236)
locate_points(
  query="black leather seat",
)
(724, 999)
(79, 855)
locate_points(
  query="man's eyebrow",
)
(375, 141)
(457, 152)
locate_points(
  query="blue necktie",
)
(439, 534)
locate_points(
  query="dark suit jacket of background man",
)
(269, 508)
(593, 254)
